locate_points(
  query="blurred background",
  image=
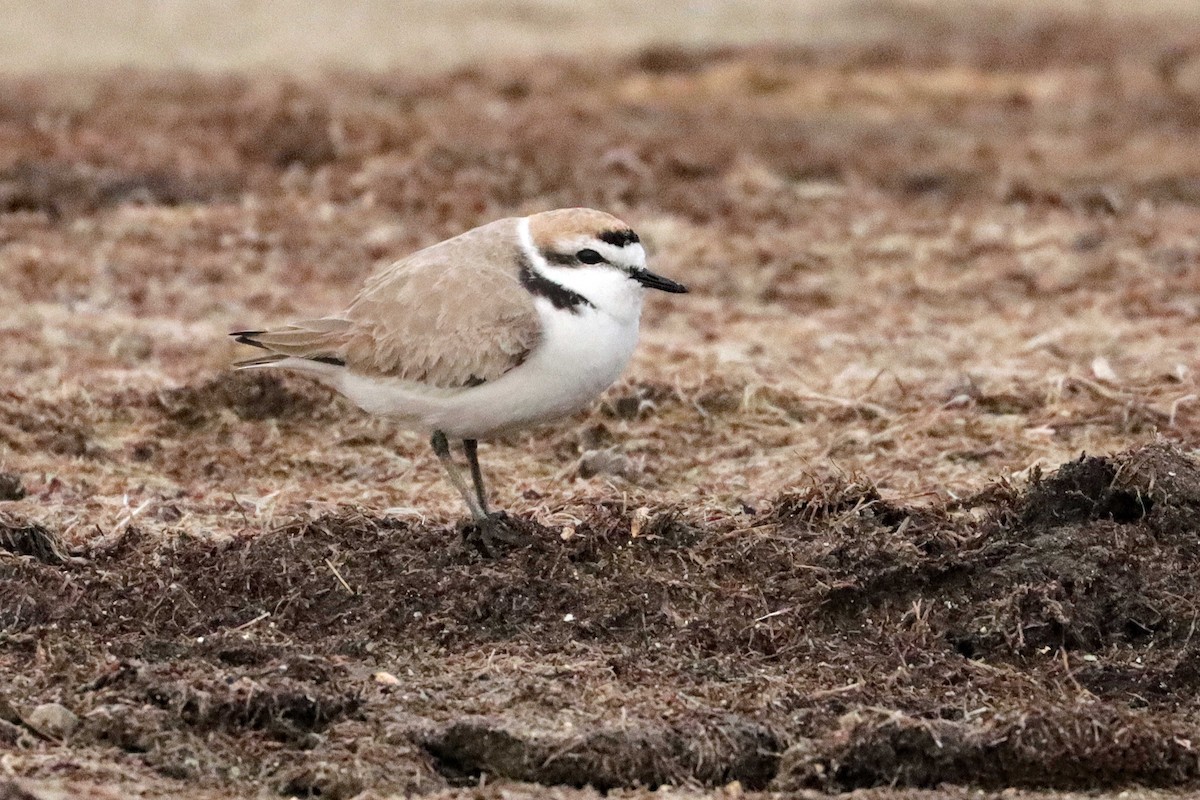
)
(430, 34)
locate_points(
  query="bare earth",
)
(832, 532)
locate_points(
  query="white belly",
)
(579, 356)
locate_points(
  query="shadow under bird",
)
(511, 324)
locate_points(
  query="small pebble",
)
(605, 462)
(386, 679)
(53, 719)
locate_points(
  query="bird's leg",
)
(471, 448)
(442, 447)
(484, 530)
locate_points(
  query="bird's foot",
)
(493, 535)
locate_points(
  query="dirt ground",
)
(903, 499)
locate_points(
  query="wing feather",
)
(451, 315)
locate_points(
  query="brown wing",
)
(451, 315)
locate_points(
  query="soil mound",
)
(232, 649)
(710, 752)
(1063, 748)
(24, 538)
(1102, 552)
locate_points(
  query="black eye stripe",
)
(619, 238)
(538, 284)
(589, 256)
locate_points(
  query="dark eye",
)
(589, 256)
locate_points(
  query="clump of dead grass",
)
(26, 538)
(1052, 748)
(252, 395)
(710, 752)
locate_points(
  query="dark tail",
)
(251, 338)
(247, 337)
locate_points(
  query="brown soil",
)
(902, 498)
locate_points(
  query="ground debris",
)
(323, 779)
(280, 706)
(1086, 489)
(10, 790)
(1098, 553)
(711, 752)
(250, 394)
(1053, 748)
(61, 189)
(11, 487)
(33, 539)
(53, 720)
(817, 504)
(1125, 488)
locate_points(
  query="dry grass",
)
(923, 291)
(921, 270)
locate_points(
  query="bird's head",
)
(590, 252)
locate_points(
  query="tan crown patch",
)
(550, 227)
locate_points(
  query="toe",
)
(494, 535)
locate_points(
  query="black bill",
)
(651, 281)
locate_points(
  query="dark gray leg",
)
(471, 448)
(485, 530)
(442, 447)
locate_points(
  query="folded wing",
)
(452, 315)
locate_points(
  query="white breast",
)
(581, 352)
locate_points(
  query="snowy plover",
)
(511, 324)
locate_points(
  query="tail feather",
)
(264, 361)
(315, 340)
(247, 337)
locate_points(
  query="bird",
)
(516, 323)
